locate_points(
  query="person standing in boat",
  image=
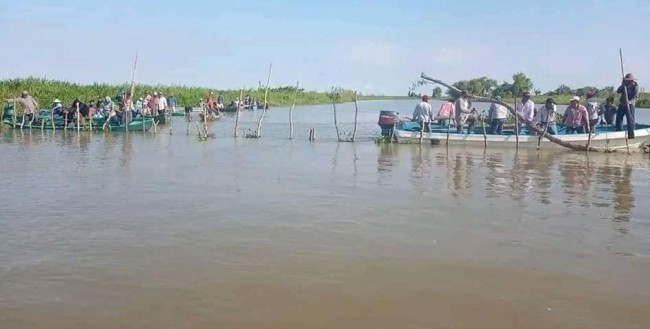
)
(464, 113)
(525, 111)
(28, 104)
(497, 114)
(576, 117)
(162, 103)
(627, 98)
(171, 102)
(445, 113)
(547, 115)
(592, 109)
(608, 111)
(423, 114)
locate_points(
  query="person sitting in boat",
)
(92, 109)
(576, 117)
(423, 114)
(57, 107)
(445, 113)
(607, 111)
(107, 105)
(138, 107)
(546, 115)
(497, 115)
(464, 113)
(526, 111)
(220, 101)
(592, 108)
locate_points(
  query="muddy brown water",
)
(164, 231)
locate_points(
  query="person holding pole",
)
(629, 91)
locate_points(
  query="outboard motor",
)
(387, 121)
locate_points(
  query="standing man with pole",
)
(629, 91)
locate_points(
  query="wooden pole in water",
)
(356, 115)
(627, 102)
(266, 93)
(14, 114)
(421, 132)
(241, 94)
(78, 119)
(516, 125)
(336, 124)
(52, 118)
(539, 140)
(485, 143)
(449, 124)
(295, 96)
(125, 114)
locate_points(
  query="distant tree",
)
(608, 89)
(521, 83)
(436, 92)
(538, 92)
(563, 90)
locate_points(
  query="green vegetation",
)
(45, 91)
(520, 82)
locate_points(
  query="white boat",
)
(605, 137)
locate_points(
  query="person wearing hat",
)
(497, 114)
(464, 113)
(576, 117)
(547, 115)
(423, 114)
(57, 107)
(28, 103)
(629, 91)
(526, 111)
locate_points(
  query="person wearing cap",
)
(497, 114)
(576, 117)
(464, 113)
(547, 115)
(423, 114)
(627, 98)
(526, 111)
(592, 109)
(28, 104)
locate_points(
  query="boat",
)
(44, 121)
(178, 113)
(160, 119)
(233, 108)
(605, 137)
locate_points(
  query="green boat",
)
(44, 121)
(178, 113)
(160, 119)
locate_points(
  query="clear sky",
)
(378, 46)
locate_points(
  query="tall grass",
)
(45, 91)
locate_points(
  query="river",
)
(165, 231)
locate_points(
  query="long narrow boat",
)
(605, 137)
(160, 119)
(44, 121)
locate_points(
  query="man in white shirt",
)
(162, 103)
(464, 113)
(423, 114)
(547, 115)
(525, 111)
(498, 115)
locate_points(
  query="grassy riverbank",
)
(45, 91)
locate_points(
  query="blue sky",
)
(372, 46)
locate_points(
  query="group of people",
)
(577, 118)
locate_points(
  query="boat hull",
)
(605, 138)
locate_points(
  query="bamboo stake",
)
(78, 118)
(241, 94)
(42, 123)
(485, 143)
(266, 93)
(15, 109)
(421, 132)
(336, 124)
(295, 96)
(627, 103)
(52, 118)
(539, 140)
(516, 125)
(356, 114)
(125, 114)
